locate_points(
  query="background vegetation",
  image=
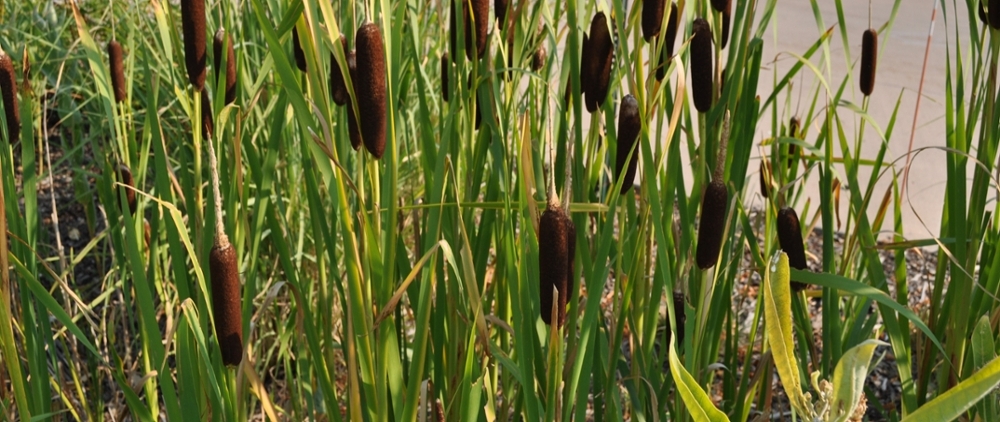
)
(407, 287)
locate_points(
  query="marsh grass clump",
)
(370, 87)
(222, 38)
(652, 17)
(193, 24)
(869, 53)
(115, 56)
(125, 178)
(598, 62)
(702, 72)
(790, 241)
(8, 88)
(556, 249)
(629, 126)
(300, 55)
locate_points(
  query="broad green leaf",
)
(778, 328)
(983, 351)
(697, 401)
(960, 398)
(849, 378)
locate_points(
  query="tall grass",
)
(366, 279)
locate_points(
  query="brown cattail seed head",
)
(147, 233)
(712, 225)
(994, 14)
(629, 126)
(445, 67)
(556, 244)
(226, 302)
(480, 14)
(719, 5)
(338, 86)
(370, 87)
(125, 177)
(869, 51)
(193, 20)
(702, 71)
(668, 47)
(599, 62)
(500, 9)
(8, 87)
(207, 124)
(727, 15)
(222, 38)
(679, 317)
(793, 127)
(300, 56)
(790, 240)
(538, 59)
(584, 63)
(765, 179)
(353, 126)
(117, 70)
(652, 17)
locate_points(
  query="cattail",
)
(793, 132)
(226, 301)
(982, 13)
(727, 13)
(8, 86)
(221, 37)
(370, 87)
(790, 241)
(117, 70)
(500, 9)
(599, 63)
(556, 244)
(652, 17)
(193, 19)
(702, 71)
(679, 317)
(994, 14)
(712, 224)
(338, 86)
(207, 124)
(480, 14)
(629, 126)
(765, 179)
(452, 29)
(584, 66)
(869, 49)
(300, 56)
(125, 177)
(445, 66)
(147, 233)
(353, 126)
(719, 5)
(668, 48)
(538, 59)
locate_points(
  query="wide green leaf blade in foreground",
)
(849, 378)
(695, 399)
(778, 328)
(960, 398)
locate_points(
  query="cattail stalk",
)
(117, 70)
(629, 126)
(193, 23)
(370, 87)
(702, 72)
(222, 38)
(869, 51)
(8, 88)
